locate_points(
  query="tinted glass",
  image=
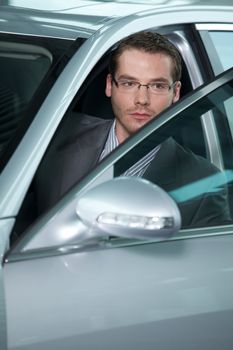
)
(29, 67)
(22, 68)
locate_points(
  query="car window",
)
(217, 40)
(22, 68)
(202, 191)
(28, 67)
(223, 44)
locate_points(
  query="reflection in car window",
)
(202, 191)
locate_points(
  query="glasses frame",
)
(148, 86)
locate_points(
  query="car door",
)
(26, 67)
(65, 290)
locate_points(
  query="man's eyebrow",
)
(130, 77)
(160, 80)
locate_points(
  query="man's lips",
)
(140, 115)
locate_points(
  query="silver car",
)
(109, 266)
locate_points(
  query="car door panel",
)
(124, 296)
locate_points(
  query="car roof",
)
(107, 7)
(73, 6)
(69, 19)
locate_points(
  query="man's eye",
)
(128, 83)
(159, 86)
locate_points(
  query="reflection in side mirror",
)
(129, 207)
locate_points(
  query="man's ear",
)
(176, 95)
(108, 88)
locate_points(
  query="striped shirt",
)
(138, 169)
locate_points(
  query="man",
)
(143, 80)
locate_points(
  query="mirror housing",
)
(126, 207)
(129, 207)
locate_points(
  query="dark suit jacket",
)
(70, 158)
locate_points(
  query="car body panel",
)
(80, 20)
(71, 6)
(6, 226)
(123, 296)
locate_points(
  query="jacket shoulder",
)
(77, 125)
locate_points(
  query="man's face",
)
(133, 109)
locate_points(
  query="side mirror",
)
(125, 207)
(129, 207)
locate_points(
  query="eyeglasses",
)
(156, 88)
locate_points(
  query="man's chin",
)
(142, 122)
(138, 126)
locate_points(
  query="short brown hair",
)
(149, 42)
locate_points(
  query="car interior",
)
(91, 100)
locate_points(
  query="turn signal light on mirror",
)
(135, 221)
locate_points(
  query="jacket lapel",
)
(79, 157)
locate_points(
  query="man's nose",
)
(142, 95)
